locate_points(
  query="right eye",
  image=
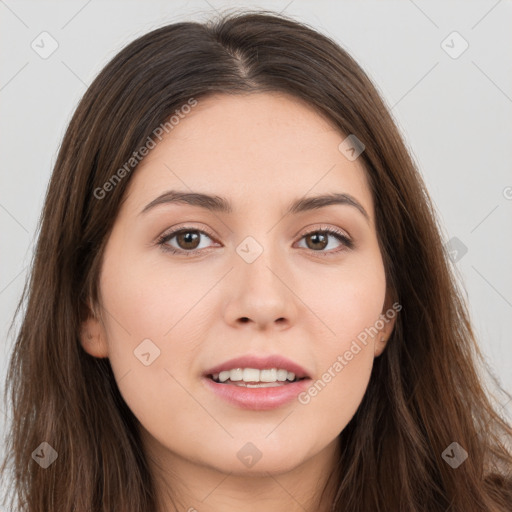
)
(188, 241)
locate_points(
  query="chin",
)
(258, 458)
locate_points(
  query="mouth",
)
(254, 393)
(257, 383)
(255, 378)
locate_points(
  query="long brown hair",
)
(425, 391)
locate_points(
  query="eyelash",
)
(163, 239)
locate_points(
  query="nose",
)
(260, 294)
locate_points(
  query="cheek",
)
(149, 333)
(344, 364)
(347, 302)
(337, 392)
(149, 299)
(349, 305)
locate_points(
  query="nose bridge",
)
(260, 237)
(259, 261)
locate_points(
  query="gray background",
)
(455, 115)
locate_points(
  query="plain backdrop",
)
(450, 94)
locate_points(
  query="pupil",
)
(316, 237)
(189, 237)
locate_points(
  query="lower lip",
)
(258, 399)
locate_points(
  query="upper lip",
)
(260, 363)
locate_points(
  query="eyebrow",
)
(223, 205)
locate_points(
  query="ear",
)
(92, 333)
(386, 323)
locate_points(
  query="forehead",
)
(252, 148)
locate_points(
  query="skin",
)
(260, 151)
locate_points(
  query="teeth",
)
(224, 376)
(253, 375)
(268, 375)
(261, 385)
(236, 374)
(281, 375)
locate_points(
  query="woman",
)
(240, 297)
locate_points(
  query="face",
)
(255, 280)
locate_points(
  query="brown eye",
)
(188, 240)
(317, 240)
(320, 240)
(185, 241)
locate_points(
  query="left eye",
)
(319, 240)
(188, 241)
